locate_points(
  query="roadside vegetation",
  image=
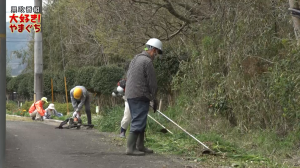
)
(229, 73)
(257, 148)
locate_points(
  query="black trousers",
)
(87, 105)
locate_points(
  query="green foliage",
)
(9, 112)
(26, 114)
(47, 76)
(30, 85)
(92, 107)
(20, 112)
(84, 76)
(27, 104)
(62, 108)
(166, 68)
(59, 83)
(62, 118)
(110, 122)
(105, 79)
(11, 105)
(207, 43)
(23, 86)
(237, 65)
(12, 85)
(8, 78)
(283, 92)
(71, 78)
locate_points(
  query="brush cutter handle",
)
(160, 124)
(183, 129)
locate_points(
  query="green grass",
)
(62, 118)
(111, 119)
(260, 148)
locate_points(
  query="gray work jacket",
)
(141, 78)
(78, 103)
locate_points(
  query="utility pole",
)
(2, 81)
(38, 59)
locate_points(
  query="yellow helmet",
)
(77, 93)
(44, 99)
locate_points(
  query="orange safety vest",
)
(37, 106)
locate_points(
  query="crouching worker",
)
(141, 88)
(50, 112)
(79, 97)
(36, 110)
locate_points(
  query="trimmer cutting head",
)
(163, 131)
(208, 152)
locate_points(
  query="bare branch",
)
(177, 32)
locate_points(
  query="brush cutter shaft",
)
(183, 129)
(159, 124)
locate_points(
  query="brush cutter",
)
(164, 130)
(206, 151)
(74, 122)
(71, 122)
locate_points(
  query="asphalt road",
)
(39, 145)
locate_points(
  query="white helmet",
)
(51, 106)
(120, 89)
(154, 42)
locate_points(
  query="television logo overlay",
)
(29, 21)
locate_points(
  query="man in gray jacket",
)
(79, 97)
(141, 89)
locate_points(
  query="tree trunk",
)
(294, 4)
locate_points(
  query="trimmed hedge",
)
(105, 79)
(101, 80)
(84, 77)
(70, 78)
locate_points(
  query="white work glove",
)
(76, 114)
(120, 89)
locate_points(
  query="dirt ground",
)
(34, 144)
